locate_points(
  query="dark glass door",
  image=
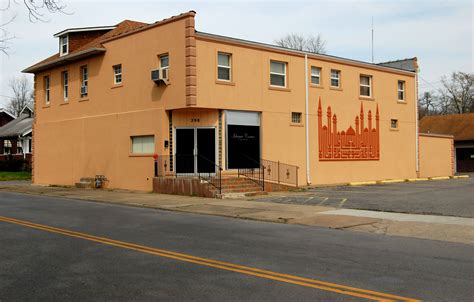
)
(206, 147)
(184, 151)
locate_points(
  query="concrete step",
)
(83, 185)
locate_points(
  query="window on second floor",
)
(224, 66)
(65, 77)
(335, 78)
(278, 73)
(118, 74)
(365, 85)
(84, 81)
(64, 45)
(47, 89)
(315, 75)
(401, 90)
(164, 65)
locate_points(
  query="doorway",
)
(195, 150)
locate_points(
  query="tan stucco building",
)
(232, 101)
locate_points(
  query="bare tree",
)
(314, 44)
(457, 92)
(22, 91)
(428, 104)
(36, 12)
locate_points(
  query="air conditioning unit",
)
(83, 90)
(160, 75)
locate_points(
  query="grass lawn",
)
(4, 176)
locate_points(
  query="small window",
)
(65, 77)
(223, 66)
(118, 74)
(143, 144)
(296, 117)
(84, 81)
(7, 147)
(46, 89)
(335, 78)
(394, 124)
(315, 75)
(164, 65)
(64, 45)
(365, 85)
(277, 73)
(401, 90)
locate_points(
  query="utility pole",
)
(372, 39)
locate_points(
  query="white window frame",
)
(224, 66)
(314, 75)
(65, 81)
(85, 79)
(365, 85)
(296, 118)
(167, 66)
(117, 74)
(401, 91)
(47, 89)
(61, 44)
(280, 74)
(141, 137)
(338, 78)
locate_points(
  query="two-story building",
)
(113, 96)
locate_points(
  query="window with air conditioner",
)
(164, 66)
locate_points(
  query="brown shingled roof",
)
(95, 46)
(461, 126)
(120, 29)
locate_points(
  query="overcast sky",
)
(439, 33)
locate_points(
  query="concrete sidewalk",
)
(452, 229)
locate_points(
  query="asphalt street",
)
(453, 197)
(40, 263)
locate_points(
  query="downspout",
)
(308, 173)
(417, 147)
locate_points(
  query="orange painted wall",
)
(435, 156)
(89, 136)
(250, 90)
(85, 137)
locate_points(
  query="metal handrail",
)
(274, 171)
(214, 179)
(165, 166)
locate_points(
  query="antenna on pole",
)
(372, 39)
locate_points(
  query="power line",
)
(428, 83)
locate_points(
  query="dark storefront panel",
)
(206, 146)
(465, 159)
(243, 146)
